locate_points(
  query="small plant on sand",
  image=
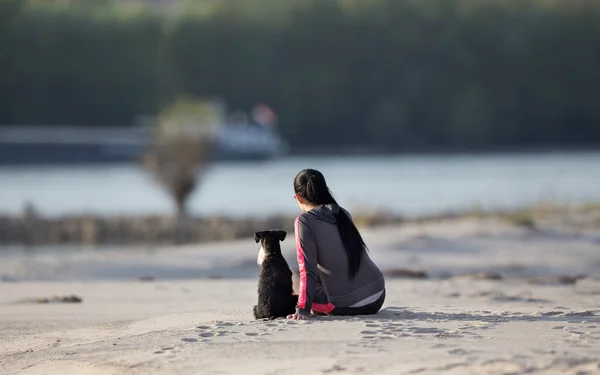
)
(592, 207)
(184, 136)
(522, 218)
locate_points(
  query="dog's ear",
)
(257, 236)
(281, 234)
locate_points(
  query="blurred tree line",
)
(387, 73)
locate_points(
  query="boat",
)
(77, 145)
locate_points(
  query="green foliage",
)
(395, 73)
(190, 118)
(522, 218)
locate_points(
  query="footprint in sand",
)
(164, 350)
(368, 332)
(423, 330)
(213, 334)
(447, 335)
(208, 332)
(263, 328)
(252, 336)
(189, 340)
(384, 330)
(458, 352)
(366, 342)
(334, 368)
(391, 329)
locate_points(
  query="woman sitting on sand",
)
(336, 275)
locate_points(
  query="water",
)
(409, 185)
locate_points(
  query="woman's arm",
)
(306, 251)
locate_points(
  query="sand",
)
(529, 321)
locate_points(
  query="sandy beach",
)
(499, 299)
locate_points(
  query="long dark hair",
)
(310, 184)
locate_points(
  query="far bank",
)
(30, 229)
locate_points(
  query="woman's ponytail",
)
(353, 242)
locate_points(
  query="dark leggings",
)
(321, 298)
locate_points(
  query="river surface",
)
(408, 185)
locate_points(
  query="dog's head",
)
(267, 237)
(269, 242)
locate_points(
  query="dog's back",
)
(275, 291)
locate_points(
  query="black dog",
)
(275, 293)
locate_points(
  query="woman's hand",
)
(297, 317)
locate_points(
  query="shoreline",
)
(30, 229)
(547, 245)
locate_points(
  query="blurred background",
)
(208, 108)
